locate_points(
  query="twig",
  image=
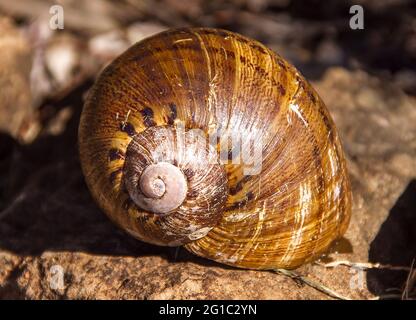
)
(316, 285)
(17, 200)
(410, 281)
(362, 265)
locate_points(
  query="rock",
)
(55, 242)
(15, 93)
(406, 80)
(63, 59)
(108, 46)
(140, 30)
(329, 53)
(376, 121)
(61, 62)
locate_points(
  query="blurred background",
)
(367, 77)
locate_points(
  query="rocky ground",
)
(49, 225)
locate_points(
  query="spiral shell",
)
(277, 213)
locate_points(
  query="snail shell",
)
(144, 153)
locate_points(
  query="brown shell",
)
(286, 215)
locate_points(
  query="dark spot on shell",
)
(142, 219)
(242, 40)
(221, 51)
(311, 96)
(115, 154)
(250, 195)
(127, 204)
(236, 189)
(242, 203)
(317, 158)
(263, 73)
(192, 194)
(281, 64)
(114, 174)
(173, 113)
(237, 205)
(239, 186)
(189, 173)
(258, 47)
(128, 128)
(301, 82)
(281, 89)
(157, 222)
(327, 123)
(148, 114)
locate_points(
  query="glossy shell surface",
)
(214, 80)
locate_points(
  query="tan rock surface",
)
(15, 66)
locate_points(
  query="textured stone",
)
(15, 66)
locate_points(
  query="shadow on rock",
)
(394, 245)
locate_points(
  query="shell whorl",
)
(172, 175)
(161, 187)
(286, 214)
